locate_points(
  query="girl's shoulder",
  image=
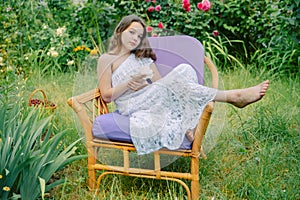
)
(106, 59)
(107, 56)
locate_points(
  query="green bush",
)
(54, 36)
(267, 29)
(29, 153)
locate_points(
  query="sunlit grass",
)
(254, 156)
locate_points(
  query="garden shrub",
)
(268, 27)
(55, 36)
(30, 152)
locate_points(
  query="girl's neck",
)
(124, 52)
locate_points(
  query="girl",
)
(151, 108)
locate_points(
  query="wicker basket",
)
(38, 102)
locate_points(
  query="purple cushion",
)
(174, 50)
(115, 127)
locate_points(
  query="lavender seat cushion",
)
(115, 127)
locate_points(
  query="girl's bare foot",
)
(250, 95)
(190, 134)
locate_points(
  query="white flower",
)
(52, 52)
(80, 2)
(45, 26)
(70, 62)
(60, 31)
(9, 68)
(1, 60)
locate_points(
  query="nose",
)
(135, 37)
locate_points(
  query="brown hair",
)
(143, 50)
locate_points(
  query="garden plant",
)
(54, 45)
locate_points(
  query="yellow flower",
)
(94, 52)
(75, 49)
(1, 176)
(8, 40)
(5, 188)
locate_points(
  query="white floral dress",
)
(161, 113)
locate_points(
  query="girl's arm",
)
(104, 72)
(156, 74)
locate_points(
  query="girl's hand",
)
(137, 82)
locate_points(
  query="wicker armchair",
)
(90, 104)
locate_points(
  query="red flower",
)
(205, 5)
(151, 9)
(149, 29)
(186, 5)
(158, 8)
(188, 9)
(160, 25)
(215, 33)
(148, 0)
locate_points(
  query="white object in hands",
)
(147, 73)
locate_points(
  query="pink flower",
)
(153, 1)
(158, 8)
(8, 9)
(160, 25)
(151, 9)
(186, 5)
(205, 5)
(154, 35)
(215, 33)
(188, 9)
(149, 29)
(148, 0)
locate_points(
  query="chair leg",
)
(195, 180)
(91, 172)
(195, 189)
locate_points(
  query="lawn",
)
(252, 152)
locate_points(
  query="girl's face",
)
(132, 36)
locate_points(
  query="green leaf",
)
(42, 186)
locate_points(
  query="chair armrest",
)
(87, 106)
(214, 72)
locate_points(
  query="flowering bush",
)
(204, 5)
(59, 27)
(258, 24)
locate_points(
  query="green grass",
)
(253, 153)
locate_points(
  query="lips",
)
(133, 44)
